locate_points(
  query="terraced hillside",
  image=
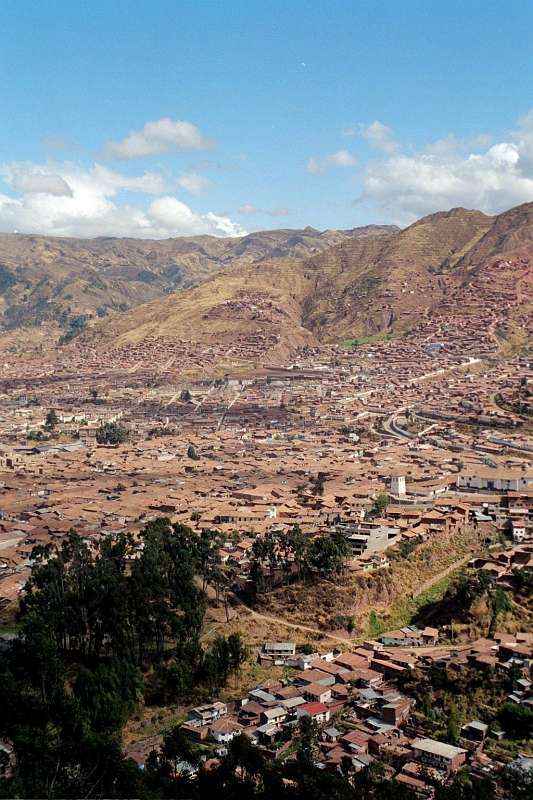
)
(383, 282)
(389, 285)
(263, 301)
(272, 291)
(69, 281)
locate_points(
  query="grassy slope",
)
(389, 592)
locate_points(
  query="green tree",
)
(307, 739)
(517, 720)
(297, 542)
(319, 483)
(328, 553)
(454, 728)
(91, 619)
(51, 420)
(380, 504)
(192, 454)
(111, 433)
(237, 652)
(500, 605)
(374, 624)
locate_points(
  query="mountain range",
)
(52, 279)
(293, 287)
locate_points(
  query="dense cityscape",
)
(266, 400)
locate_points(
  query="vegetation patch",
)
(350, 344)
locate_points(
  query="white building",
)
(367, 537)
(397, 485)
(495, 480)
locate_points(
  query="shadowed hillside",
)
(377, 282)
(70, 281)
(388, 285)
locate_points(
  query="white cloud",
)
(111, 181)
(92, 208)
(158, 136)
(31, 181)
(192, 182)
(380, 137)
(454, 144)
(248, 209)
(319, 165)
(408, 186)
(523, 136)
(59, 179)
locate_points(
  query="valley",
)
(335, 428)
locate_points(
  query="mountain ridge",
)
(287, 288)
(63, 280)
(380, 284)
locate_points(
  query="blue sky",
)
(246, 115)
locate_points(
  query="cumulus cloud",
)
(248, 209)
(31, 181)
(92, 207)
(58, 179)
(319, 165)
(193, 182)
(523, 137)
(455, 144)
(158, 136)
(408, 186)
(378, 135)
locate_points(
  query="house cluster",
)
(502, 653)
(239, 444)
(501, 566)
(361, 714)
(354, 686)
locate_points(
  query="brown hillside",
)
(510, 237)
(260, 303)
(257, 304)
(51, 279)
(265, 298)
(373, 281)
(387, 287)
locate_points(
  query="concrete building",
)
(440, 755)
(367, 537)
(410, 636)
(203, 715)
(494, 480)
(397, 485)
(224, 730)
(279, 650)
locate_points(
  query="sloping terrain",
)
(262, 299)
(273, 291)
(69, 281)
(256, 303)
(388, 286)
(500, 267)
(381, 282)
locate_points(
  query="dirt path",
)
(306, 628)
(345, 640)
(445, 572)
